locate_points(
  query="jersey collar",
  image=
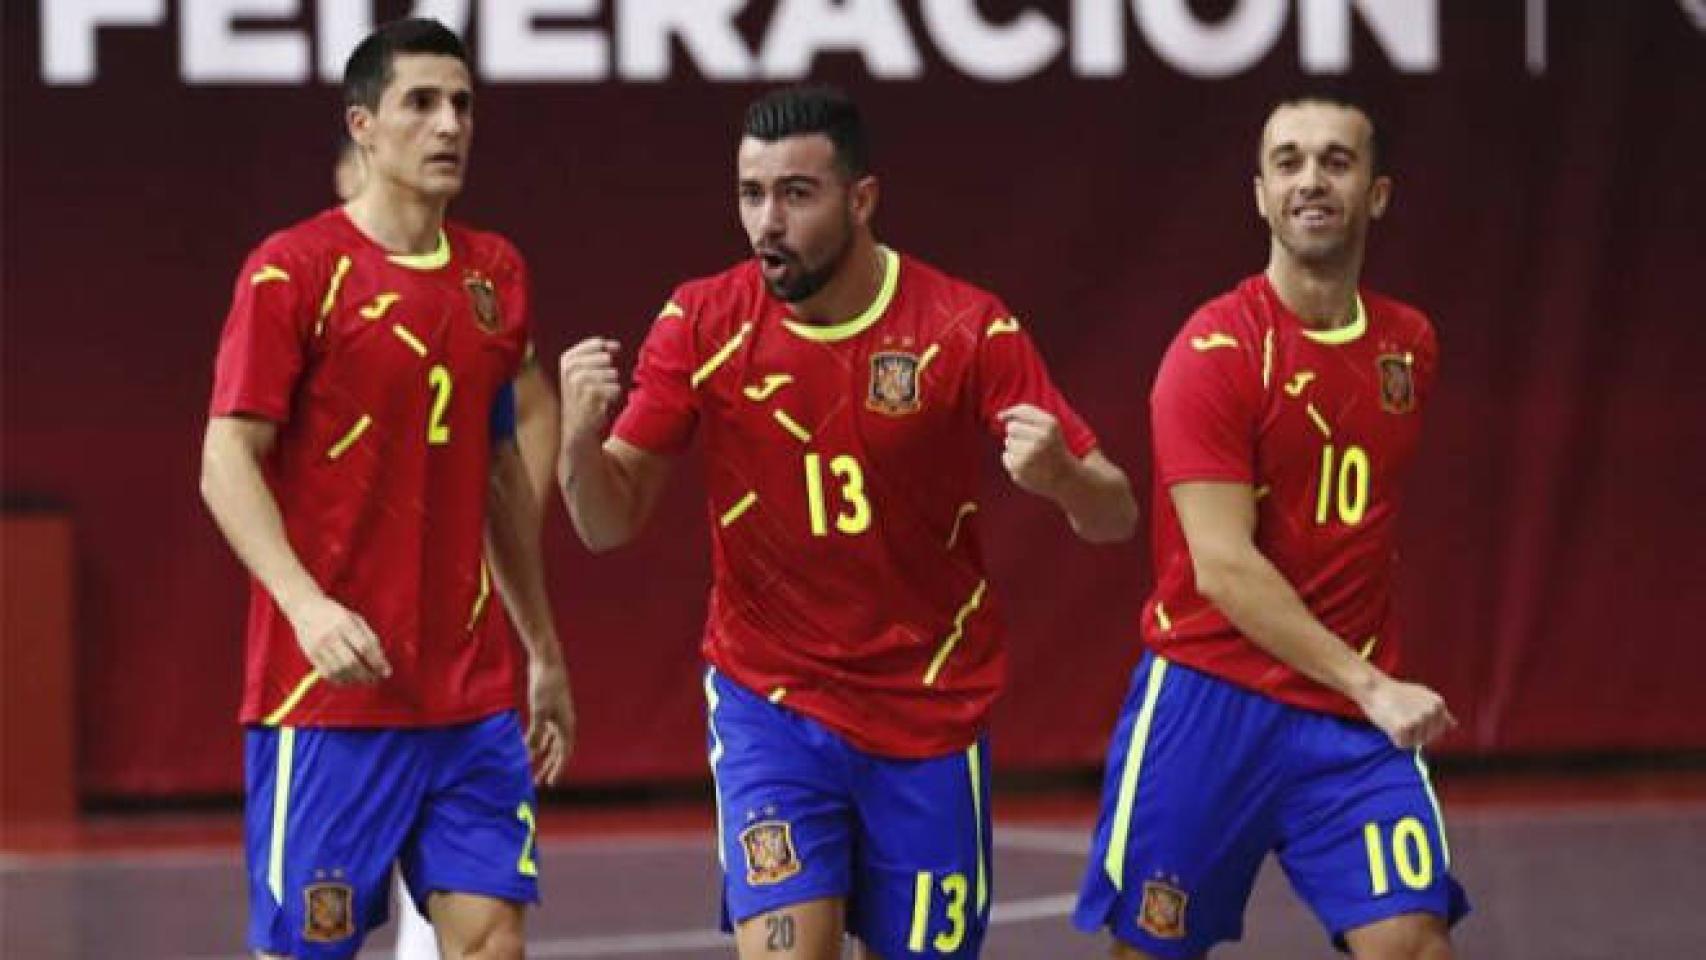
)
(863, 322)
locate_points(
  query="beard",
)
(800, 282)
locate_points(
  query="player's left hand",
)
(550, 719)
(1034, 450)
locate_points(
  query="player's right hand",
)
(1409, 713)
(590, 387)
(341, 646)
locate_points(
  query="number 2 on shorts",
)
(526, 866)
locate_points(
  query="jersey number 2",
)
(438, 380)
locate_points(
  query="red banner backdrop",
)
(1548, 214)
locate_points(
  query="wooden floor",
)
(1558, 869)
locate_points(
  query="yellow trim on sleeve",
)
(1267, 357)
(302, 687)
(792, 426)
(1320, 421)
(999, 327)
(1161, 619)
(1113, 863)
(778, 695)
(280, 812)
(407, 336)
(439, 256)
(953, 639)
(1348, 333)
(966, 509)
(485, 593)
(717, 359)
(350, 438)
(859, 324)
(1213, 341)
(268, 274)
(671, 309)
(1368, 647)
(741, 507)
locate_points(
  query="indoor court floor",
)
(1558, 869)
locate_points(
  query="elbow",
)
(1216, 577)
(1115, 524)
(598, 539)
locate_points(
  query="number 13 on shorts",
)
(941, 896)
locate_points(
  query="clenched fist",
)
(1033, 451)
(590, 387)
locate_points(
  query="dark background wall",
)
(1550, 220)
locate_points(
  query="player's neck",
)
(850, 292)
(401, 222)
(1322, 297)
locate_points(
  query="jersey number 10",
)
(1343, 485)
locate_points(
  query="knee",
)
(1403, 938)
(500, 943)
(1125, 951)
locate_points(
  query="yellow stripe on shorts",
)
(1114, 862)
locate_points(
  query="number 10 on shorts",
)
(1410, 854)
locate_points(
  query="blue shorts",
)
(1204, 778)
(803, 815)
(330, 810)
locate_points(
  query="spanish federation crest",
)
(330, 913)
(485, 298)
(1163, 912)
(1397, 382)
(894, 383)
(770, 855)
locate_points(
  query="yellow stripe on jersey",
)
(717, 359)
(974, 764)
(954, 637)
(671, 309)
(403, 333)
(330, 300)
(924, 361)
(1320, 421)
(1368, 647)
(280, 812)
(999, 327)
(857, 325)
(966, 509)
(1263, 491)
(792, 426)
(302, 687)
(1161, 619)
(268, 274)
(1267, 358)
(1345, 334)
(439, 256)
(742, 506)
(779, 694)
(1113, 863)
(485, 593)
(350, 438)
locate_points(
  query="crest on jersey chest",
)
(485, 300)
(894, 383)
(1397, 382)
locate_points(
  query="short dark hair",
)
(798, 111)
(1333, 99)
(369, 68)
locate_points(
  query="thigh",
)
(472, 925)
(922, 871)
(784, 817)
(476, 829)
(1187, 813)
(326, 813)
(812, 930)
(1363, 835)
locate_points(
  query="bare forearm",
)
(1097, 499)
(601, 498)
(518, 565)
(237, 496)
(1256, 597)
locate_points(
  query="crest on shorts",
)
(330, 913)
(770, 856)
(1163, 913)
(1397, 382)
(485, 297)
(894, 383)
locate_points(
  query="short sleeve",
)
(1011, 371)
(1204, 411)
(264, 345)
(662, 408)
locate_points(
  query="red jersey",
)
(842, 467)
(381, 372)
(1323, 425)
